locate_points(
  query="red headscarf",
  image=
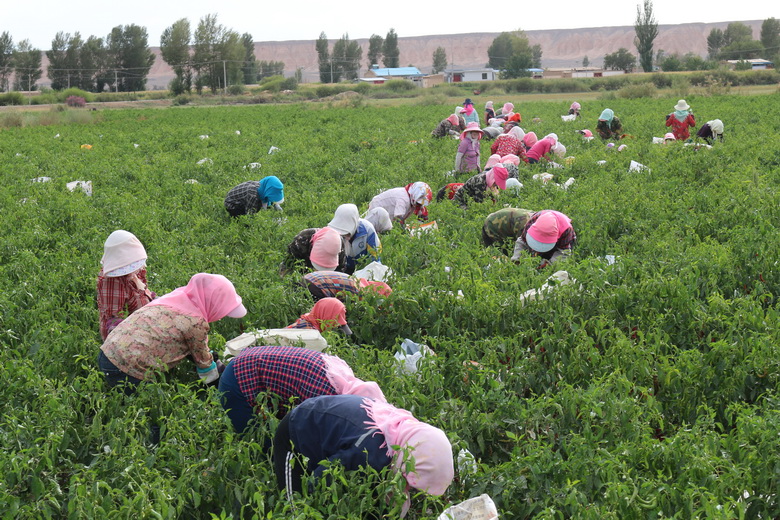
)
(326, 314)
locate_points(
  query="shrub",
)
(68, 92)
(177, 87)
(521, 85)
(182, 99)
(75, 101)
(640, 90)
(12, 119)
(11, 98)
(236, 90)
(289, 83)
(661, 80)
(399, 85)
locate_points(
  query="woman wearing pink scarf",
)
(359, 432)
(161, 334)
(547, 234)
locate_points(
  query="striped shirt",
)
(288, 372)
(331, 282)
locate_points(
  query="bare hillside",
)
(561, 48)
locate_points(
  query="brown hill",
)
(561, 48)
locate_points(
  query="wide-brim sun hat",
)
(682, 105)
(472, 127)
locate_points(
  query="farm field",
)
(648, 389)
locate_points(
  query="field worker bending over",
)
(711, 131)
(544, 147)
(489, 112)
(290, 373)
(481, 185)
(548, 234)
(574, 109)
(510, 143)
(121, 283)
(400, 203)
(332, 284)
(251, 196)
(448, 127)
(359, 432)
(502, 227)
(161, 334)
(327, 314)
(609, 126)
(380, 219)
(360, 236)
(467, 158)
(321, 249)
(681, 120)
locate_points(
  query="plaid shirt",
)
(288, 372)
(331, 283)
(244, 196)
(118, 297)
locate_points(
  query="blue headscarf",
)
(270, 190)
(607, 115)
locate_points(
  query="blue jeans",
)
(115, 377)
(233, 401)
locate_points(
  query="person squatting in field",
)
(448, 127)
(547, 234)
(510, 143)
(481, 185)
(467, 156)
(332, 284)
(542, 149)
(121, 283)
(327, 314)
(609, 126)
(402, 202)
(503, 227)
(489, 112)
(251, 196)
(681, 120)
(158, 336)
(291, 375)
(320, 249)
(361, 239)
(711, 131)
(470, 114)
(360, 432)
(380, 219)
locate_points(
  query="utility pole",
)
(331, 70)
(224, 75)
(116, 81)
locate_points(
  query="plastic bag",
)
(410, 354)
(477, 508)
(569, 118)
(374, 271)
(638, 167)
(419, 229)
(312, 339)
(559, 278)
(85, 186)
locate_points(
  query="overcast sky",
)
(40, 20)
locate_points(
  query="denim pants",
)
(115, 377)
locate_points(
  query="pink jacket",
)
(540, 149)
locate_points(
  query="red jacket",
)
(680, 128)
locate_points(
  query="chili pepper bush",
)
(647, 389)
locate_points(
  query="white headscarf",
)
(346, 219)
(380, 219)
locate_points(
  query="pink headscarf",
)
(507, 109)
(492, 161)
(344, 381)
(549, 227)
(511, 158)
(453, 119)
(121, 249)
(517, 132)
(530, 139)
(326, 314)
(325, 248)
(575, 106)
(468, 109)
(433, 462)
(207, 296)
(498, 176)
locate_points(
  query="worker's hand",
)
(209, 374)
(220, 367)
(136, 282)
